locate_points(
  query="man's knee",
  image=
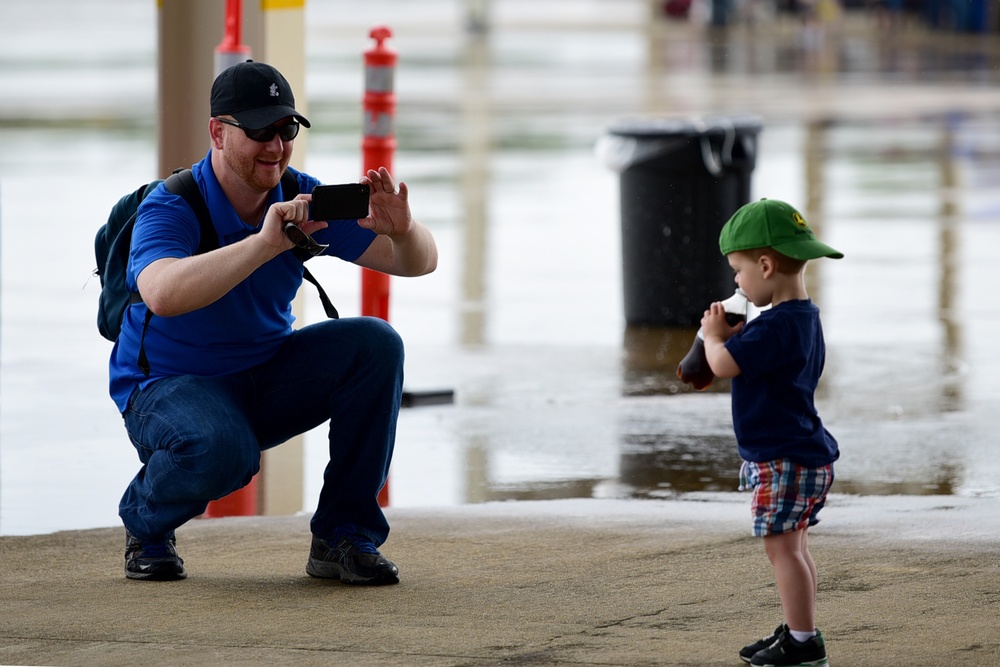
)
(221, 465)
(374, 342)
(385, 338)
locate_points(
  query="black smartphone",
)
(339, 202)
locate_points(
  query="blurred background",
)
(880, 121)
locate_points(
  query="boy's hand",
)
(714, 325)
(717, 331)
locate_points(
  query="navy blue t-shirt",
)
(239, 331)
(781, 354)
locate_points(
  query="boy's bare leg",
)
(810, 563)
(795, 574)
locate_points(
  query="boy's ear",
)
(768, 264)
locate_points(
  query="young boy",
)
(775, 362)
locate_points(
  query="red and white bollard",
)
(378, 148)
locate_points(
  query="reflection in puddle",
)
(910, 385)
(655, 464)
(652, 355)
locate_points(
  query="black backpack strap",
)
(143, 360)
(182, 183)
(328, 306)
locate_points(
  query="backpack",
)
(114, 241)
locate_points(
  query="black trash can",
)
(681, 180)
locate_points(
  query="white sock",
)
(801, 635)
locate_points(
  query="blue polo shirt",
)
(781, 354)
(239, 331)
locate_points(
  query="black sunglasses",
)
(303, 240)
(265, 134)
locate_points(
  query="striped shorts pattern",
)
(786, 496)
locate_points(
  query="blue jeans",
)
(200, 438)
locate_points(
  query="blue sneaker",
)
(353, 559)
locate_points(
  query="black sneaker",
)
(786, 652)
(353, 559)
(750, 650)
(156, 561)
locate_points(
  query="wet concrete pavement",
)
(890, 142)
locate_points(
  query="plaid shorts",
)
(786, 496)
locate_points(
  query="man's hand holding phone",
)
(390, 206)
(348, 201)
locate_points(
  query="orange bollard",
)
(238, 503)
(378, 148)
(230, 50)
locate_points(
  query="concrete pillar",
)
(187, 31)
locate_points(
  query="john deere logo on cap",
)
(799, 220)
(274, 90)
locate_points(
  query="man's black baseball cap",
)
(255, 94)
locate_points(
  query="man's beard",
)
(245, 168)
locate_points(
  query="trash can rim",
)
(663, 127)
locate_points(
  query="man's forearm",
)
(416, 254)
(174, 286)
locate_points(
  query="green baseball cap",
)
(770, 223)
